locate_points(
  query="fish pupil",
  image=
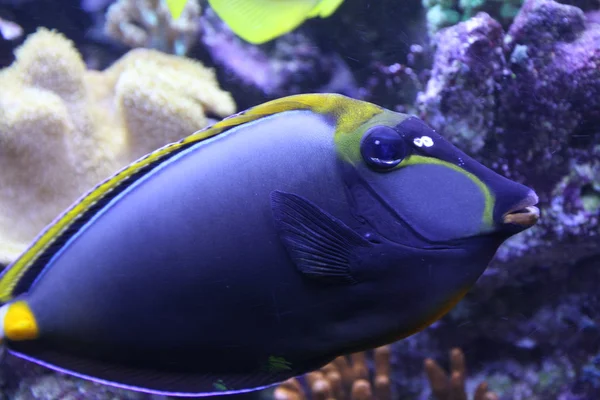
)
(383, 148)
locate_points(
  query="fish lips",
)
(522, 215)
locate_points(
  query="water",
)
(514, 86)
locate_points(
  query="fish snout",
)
(523, 214)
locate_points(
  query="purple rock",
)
(550, 103)
(392, 86)
(528, 104)
(460, 98)
(291, 64)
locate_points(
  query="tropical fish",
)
(259, 249)
(259, 21)
(176, 7)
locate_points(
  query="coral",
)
(550, 379)
(392, 86)
(452, 387)
(440, 14)
(341, 380)
(549, 103)
(160, 97)
(575, 201)
(521, 98)
(460, 98)
(444, 13)
(63, 128)
(348, 378)
(148, 23)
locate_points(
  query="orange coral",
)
(348, 379)
(452, 387)
(344, 379)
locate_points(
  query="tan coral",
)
(148, 23)
(343, 379)
(41, 121)
(63, 128)
(159, 99)
(452, 387)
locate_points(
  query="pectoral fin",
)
(321, 246)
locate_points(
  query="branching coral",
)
(348, 378)
(452, 387)
(63, 128)
(343, 379)
(148, 23)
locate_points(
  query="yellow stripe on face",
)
(19, 322)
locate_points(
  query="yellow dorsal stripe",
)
(347, 115)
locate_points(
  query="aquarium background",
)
(87, 86)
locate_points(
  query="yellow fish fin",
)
(325, 8)
(259, 21)
(176, 7)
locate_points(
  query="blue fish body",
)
(260, 249)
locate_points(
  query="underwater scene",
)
(300, 199)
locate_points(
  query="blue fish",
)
(259, 249)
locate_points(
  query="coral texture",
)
(367, 376)
(63, 128)
(460, 98)
(444, 13)
(344, 378)
(148, 23)
(452, 387)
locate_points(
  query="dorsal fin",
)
(18, 277)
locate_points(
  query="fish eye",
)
(382, 147)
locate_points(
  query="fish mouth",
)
(524, 213)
